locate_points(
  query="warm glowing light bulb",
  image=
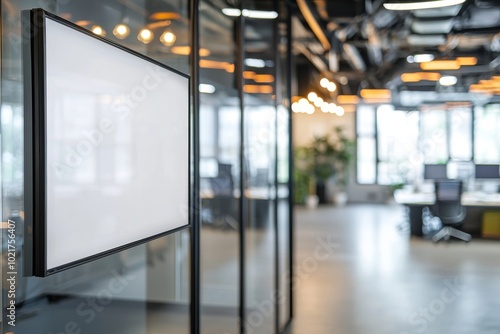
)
(310, 109)
(98, 30)
(324, 82)
(318, 102)
(168, 38)
(121, 31)
(332, 108)
(312, 96)
(340, 111)
(331, 86)
(145, 36)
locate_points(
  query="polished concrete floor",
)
(356, 273)
(376, 279)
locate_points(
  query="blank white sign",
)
(116, 147)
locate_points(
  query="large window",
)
(396, 141)
(367, 151)
(486, 134)
(393, 145)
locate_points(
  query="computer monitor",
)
(435, 172)
(487, 171)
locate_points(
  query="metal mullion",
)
(276, 199)
(290, 157)
(243, 212)
(195, 206)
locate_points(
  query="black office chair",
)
(223, 202)
(449, 209)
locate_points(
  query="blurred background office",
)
(322, 129)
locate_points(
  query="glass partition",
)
(144, 289)
(260, 165)
(220, 169)
(245, 231)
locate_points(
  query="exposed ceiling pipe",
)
(306, 9)
(374, 43)
(353, 57)
(315, 60)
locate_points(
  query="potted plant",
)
(322, 159)
(343, 154)
(303, 178)
(327, 158)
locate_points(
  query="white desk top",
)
(468, 198)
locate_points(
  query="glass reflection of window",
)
(486, 134)
(229, 120)
(283, 160)
(259, 122)
(397, 141)
(12, 148)
(207, 131)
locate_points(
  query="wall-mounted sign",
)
(107, 145)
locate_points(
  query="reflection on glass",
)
(260, 145)
(141, 290)
(220, 172)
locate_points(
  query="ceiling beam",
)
(306, 8)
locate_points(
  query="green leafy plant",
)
(327, 156)
(343, 155)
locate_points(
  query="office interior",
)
(275, 246)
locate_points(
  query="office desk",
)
(259, 205)
(475, 202)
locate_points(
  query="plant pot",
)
(340, 198)
(312, 201)
(321, 192)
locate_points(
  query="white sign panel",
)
(116, 163)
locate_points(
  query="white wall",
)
(306, 127)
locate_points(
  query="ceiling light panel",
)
(428, 40)
(438, 12)
(430, 4)
(432, 27)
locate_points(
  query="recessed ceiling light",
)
(259, 14)
(253, 62)
(421, 4)
(448, 80)
(422, 58)
(253, 14)
(231, 11)
(207, 89)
